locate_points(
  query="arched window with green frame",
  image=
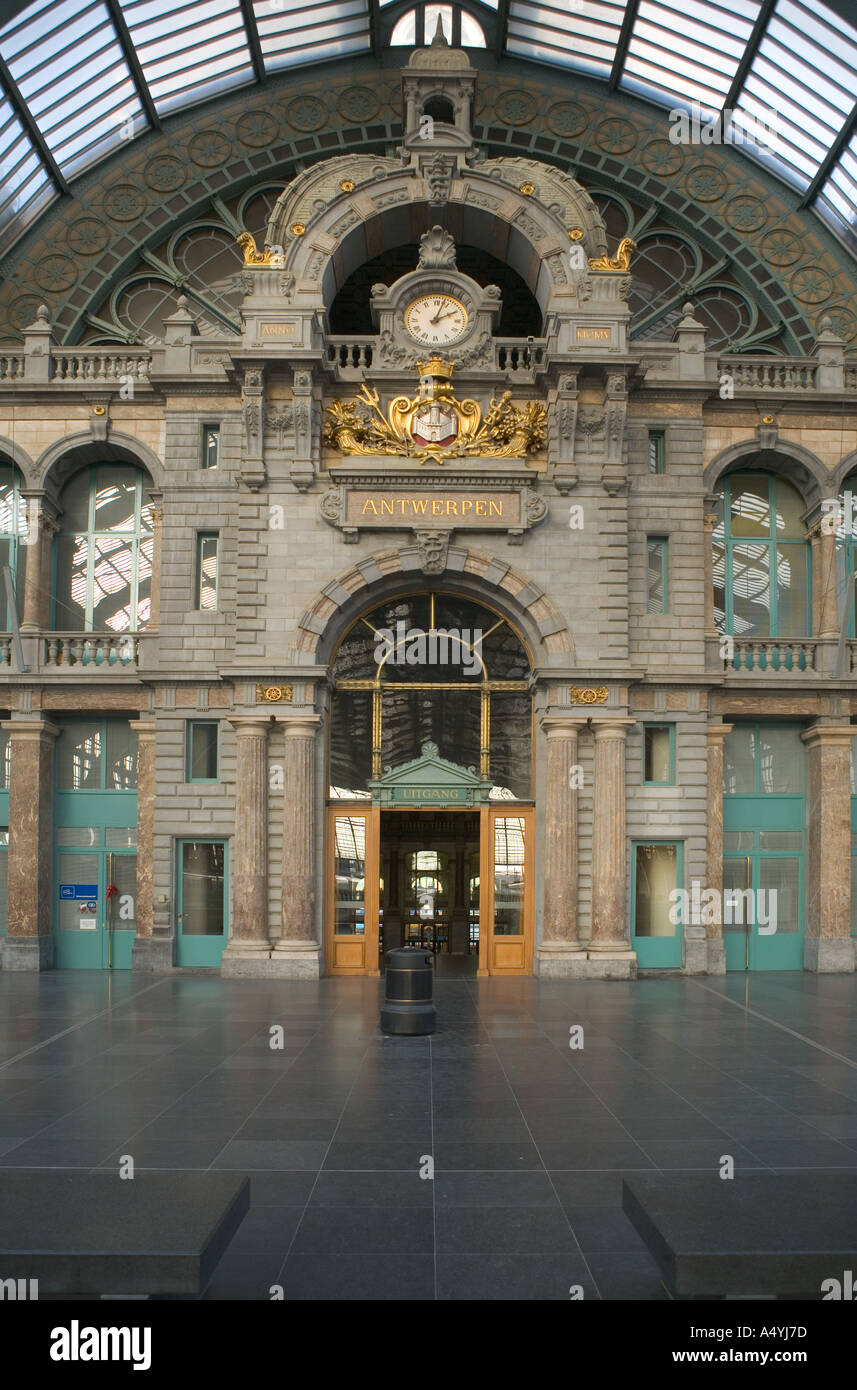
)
(13, 536)
(761, 560)
(103, 554)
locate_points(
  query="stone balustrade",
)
(765, 373)
(81, 650)
(769, 655)
(100, 364)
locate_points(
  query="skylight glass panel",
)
(189, 52)
(582, 34)
(805, 72)
(839, 194)
(296, 32)
(69, 66)
(25, 186)
(688, 51)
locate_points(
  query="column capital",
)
(562, 725)
(836, 735)
(614, 726)
(298, 725)
(715, 731)
(30, 728)
(144, 728)
(250, 725)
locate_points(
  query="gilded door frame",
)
(489, 963)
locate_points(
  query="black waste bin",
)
(408, 1009)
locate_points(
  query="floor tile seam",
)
(542, 1162)
(321, 1168)
(72, 1028)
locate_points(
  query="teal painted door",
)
(95, 884)
(201, 900)
(656, 872)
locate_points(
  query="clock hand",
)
(437, 318)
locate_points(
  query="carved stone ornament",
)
(588, 695)
(273, 694)
(330, 506)
(432, 424)
(433, 548)
(437, 250)
(252, 256)
(621, 261)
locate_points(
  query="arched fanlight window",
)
(418, 27)
(761, 558)
(13, 536)
(103, 555)
(431, 667)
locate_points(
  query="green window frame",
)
(195, 756)
(13, 534)
(657, 566)
(749, 549)
(101, 747)
(207, 570)
(89, 560)
(211, 445)
(846, 550)
(657, 451)
(669, 730)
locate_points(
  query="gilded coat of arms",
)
(433, 424)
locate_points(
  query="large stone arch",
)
(485, 207)
(476, 573)
(10, 452)
(66, 456)
(791, 461)
(846, 465)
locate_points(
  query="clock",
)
(436, 320)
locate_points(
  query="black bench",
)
(96, 1233)
(752, 1236)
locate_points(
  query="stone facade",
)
(291, 576)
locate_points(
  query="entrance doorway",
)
(430, 881)
(458, 881)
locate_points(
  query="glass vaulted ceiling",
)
(78, 78)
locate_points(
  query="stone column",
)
(715, 950)
(828, 945)
(249, 948)
(297, 953)
(560, 953)
(610, 946)
(149, 952)
(29, 943)
(37, 579)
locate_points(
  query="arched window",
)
(103, 569)
(13, 536)
(431, 667)
(761, 558)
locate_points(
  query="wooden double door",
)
(472, 899)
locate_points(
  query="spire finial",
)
(439, 40)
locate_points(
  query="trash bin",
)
(408, 1009)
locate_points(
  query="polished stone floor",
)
(529, 1137)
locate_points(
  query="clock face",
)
(435, 320)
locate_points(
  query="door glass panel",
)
(509, 876)
(350, 872)
(739, 754)
(780, 839)
(792, 591)
(202, 888)
(70, 605)
(78, 837)
(121, 756)
(780, 877)
(78, 914)
(736, 879)
(124, 901)
(121, 838)
(79, 752)
(780, 760)
(739, 840)
(656, 880)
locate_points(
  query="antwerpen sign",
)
(406, 507)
